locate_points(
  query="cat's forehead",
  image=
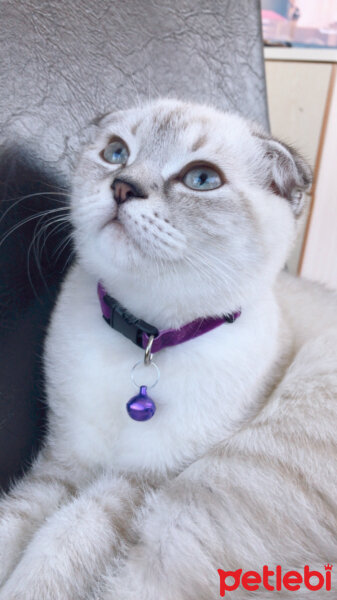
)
(174, 122)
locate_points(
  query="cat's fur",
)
(238, 467)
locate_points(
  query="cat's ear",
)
(285, 172)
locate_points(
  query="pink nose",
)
(123, 190)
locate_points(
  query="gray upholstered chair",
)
(62, 64)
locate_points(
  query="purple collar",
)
(139, 331)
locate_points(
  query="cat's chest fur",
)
(205, 388)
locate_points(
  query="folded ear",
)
(286, 173)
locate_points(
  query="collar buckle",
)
(127, 324)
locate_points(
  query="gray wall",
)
(65, 61)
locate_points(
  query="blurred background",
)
(300, 53)
(300, 22)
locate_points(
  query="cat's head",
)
(196, 205)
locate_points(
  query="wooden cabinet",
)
(302, 98)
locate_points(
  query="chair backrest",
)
(64, 63)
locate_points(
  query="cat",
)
(181, 212)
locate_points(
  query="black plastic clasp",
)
(127, 324)
(229, 318)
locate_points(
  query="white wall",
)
(316, 13)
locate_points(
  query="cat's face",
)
(181, 192)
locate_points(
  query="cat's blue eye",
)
(202, 179)
(116, 153)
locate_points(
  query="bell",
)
(141, 407)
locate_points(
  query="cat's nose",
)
(126, 190)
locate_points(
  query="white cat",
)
(182, 213)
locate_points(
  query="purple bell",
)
(141, 407)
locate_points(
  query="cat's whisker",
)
(222, 267)
(72, 253)
(201, 259)
(28, 220)
(59, 223)
(38, 250)
(56, 221)
(202, 274)
(32, 245)
(62, 246)
(29, 196)
(208, 272)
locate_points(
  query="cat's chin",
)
(115, 252)
(131, 249)
(115, 242)
(116, 227)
